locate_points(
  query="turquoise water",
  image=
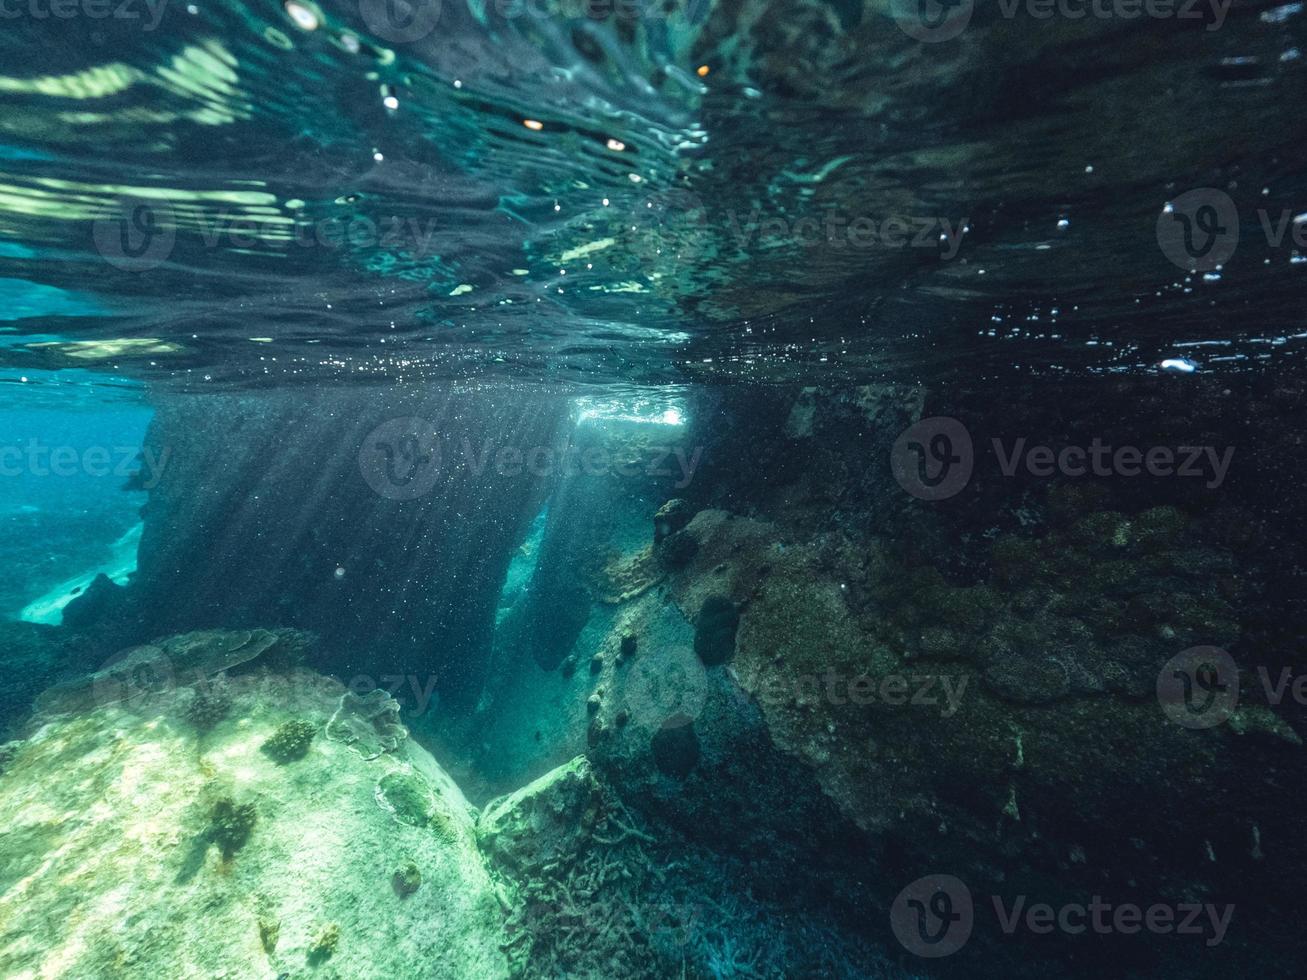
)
(685, 490)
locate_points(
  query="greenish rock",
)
(1256, 719)
(1159, 527)
(269, 932)
(678, 550)
(544, 822)
(8, 752)
(115, 869)
(1102, 531)
(671, 517)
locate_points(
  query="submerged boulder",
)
(139, 845)
(544, 822)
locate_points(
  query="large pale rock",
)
(145, 839)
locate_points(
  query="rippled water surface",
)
(240, 193)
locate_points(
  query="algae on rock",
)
(111, 868)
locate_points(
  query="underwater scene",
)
(686, 489)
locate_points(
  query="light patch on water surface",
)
(589, 248)
(101, 350)
(644, 409)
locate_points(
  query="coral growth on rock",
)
(290, 741)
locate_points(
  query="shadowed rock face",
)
(319, 510)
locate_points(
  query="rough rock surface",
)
(543, 822)
(138, 845)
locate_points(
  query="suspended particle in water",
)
(303, 16)
(340, 572)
